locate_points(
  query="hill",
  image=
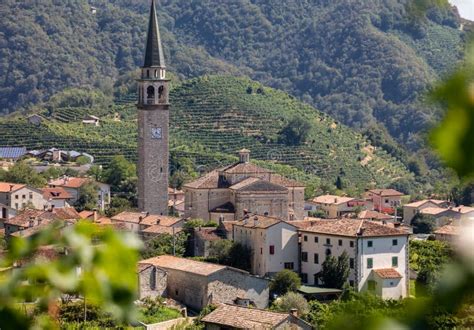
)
(365, 62)
(214, 116)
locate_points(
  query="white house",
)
(333, 206)
(385, 200)
(91, 120)
(20, 196)
(274, 243)
(378, 254)
(412, 209)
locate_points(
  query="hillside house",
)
(198, 284)
(35, 119)
(233, 190)
(73, 186)
(20, 196)
(274, 243)
(333, 206)
(239, 317)
(378, 254)
(203, 239)
(91, 120)
(149, 225)
(376, 216)
(448, 233)
(385, 200)
(412, 209)
(57, 197)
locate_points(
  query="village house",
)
(378, 254)
(73, 186)
(376, 216)
(20, 196)
(203, 239)
(412, 209)
(57, 197)
(198, 284)
(333, 206)
(274, 243)
(385, 200)
(176, 201)
(227, 316)
(148, 225)
(35, 119)
(448, 233)
(91, 120)
(233, 190)
(6, 212)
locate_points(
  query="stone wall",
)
(152, 282)
(188, 288)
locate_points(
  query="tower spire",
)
(154, 51)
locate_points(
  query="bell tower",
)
(153, 125)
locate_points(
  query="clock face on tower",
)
(156, 133)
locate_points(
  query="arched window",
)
(148, 73)
(156, 73)
(150, 91)
(161, 91)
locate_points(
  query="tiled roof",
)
(424, 201)
(66, 213)
(161, 220)
(7, 187)
(367, 214)
(353, 228)
(331, 199)
(86, 214)
(157, 229)
(23, 219)
(185, 265)
(32, 230)
(55, 193)
(386, 192)
(69, 182)
(245, 168)
(207, 234)
(449, 230)
(256, 184)
(463, 209)
(259, 221)
(231, 316)
(433, 210)
(208, 181)
(387, 273)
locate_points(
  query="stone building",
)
(148, 225)
(232, 191)
(21, 196)
(198, 284)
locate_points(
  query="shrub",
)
(284, 282)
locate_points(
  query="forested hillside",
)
(365, 62)
(212, 117)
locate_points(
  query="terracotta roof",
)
(157, 229)
(245, 168)
(257, 185)
(367, 214)
(69, 182)
(353, 228)
(332, 199)
(231, 316)
(161, 220)
(207, 234)
(433, 210)
(32, 230)
(86, 214)
(463, 209)
(424, 201)
(66, 213)
(387, 273)
(449, 230)
(306, 223)
(55, 193)
(7, 187)
(23, 219)
(229, 225)
(386, 192)
(263, 222)
(185, 265)
(208, 181)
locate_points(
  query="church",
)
(227, 193)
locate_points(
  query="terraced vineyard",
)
(212, 117)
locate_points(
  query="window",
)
(340, 242)
(370, 243)
(304, 256)
(328, 241)
(305, 238)
(316, 239)
(16, 196)
(370, 263)
(24, 196)
(272, 249)
(372, 285)
(395, 242)
(261, 250)
(304, 277)
(351, 244)
(328, 252)
(316, 258)
(289, 265)
(351, 283)
(387, 201)
(394, 261)
(16, 206)
(150, 91)
(351, 263)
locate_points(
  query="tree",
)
(296, 132)
(163, 244)
(239, 257)
(285, 281)
(87, 197)
(335, 271)
(21, 172)
(423, 224)
(220, 250)
(118, 205)
(120, 170)
(290, 301)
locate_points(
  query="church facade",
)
(231, 192)
(153, 125)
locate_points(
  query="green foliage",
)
(163, 245)
(100, 253)
(296, 132)
(429, 254)
(335, 271)
(289, 301)
(119, 170)
(423, 224)
(87, 197)
(153, 311)
(285, 281)
(83, 160)
(118, 205)
(21, 172)
(76, 312)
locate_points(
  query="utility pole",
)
(174, 243)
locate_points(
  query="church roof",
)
(256, 184)
(154, 51)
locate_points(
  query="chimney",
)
(294, 312)
(11, 187)
(31, 222)
(95, 215)
(244, 156)
(140, 219)
(255, 221)
(397, 224)
(51, 208)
